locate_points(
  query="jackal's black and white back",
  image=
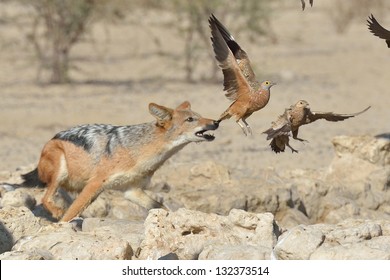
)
(105, 138)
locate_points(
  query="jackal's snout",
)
(210, 125)
(215, 124)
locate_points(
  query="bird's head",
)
(302, 104)
(266, 85)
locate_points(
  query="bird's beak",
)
(273, 83)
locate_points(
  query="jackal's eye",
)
(190, 119)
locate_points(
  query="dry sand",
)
(120, 74)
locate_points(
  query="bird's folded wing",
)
(282, 126)
(330, 116)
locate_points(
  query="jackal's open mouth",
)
(203, 134)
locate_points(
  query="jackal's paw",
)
(56, 213)
(77, 223)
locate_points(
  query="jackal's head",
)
(182, 125)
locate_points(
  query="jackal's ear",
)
(161, 113)
(184, 106)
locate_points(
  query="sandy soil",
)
(118, 76)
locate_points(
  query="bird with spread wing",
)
(299, 114)
(246, 93)
(378, 30)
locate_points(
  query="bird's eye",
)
(190, 119)
(267, 83)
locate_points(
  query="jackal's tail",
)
(31, 179)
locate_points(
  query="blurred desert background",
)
(136, 52)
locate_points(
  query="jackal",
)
(90, 158)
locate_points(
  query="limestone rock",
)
(351, 239)
(211, 170)
(373, 249)
(290, 218)
(131, 231)
(36, 254)
(186, 233)
(358, 157)
(64, 243)
(18, 198)
(298, 243)
(375, 150)
(15, 223)
(234, 252)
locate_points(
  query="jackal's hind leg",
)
(49, 203)
(139, 197)
(51, 171)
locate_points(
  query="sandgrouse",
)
(246, 93)
(378, 30)
(292, 118)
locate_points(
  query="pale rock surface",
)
(18, 198)
(298, 243)
(187, 233)
(35, 254)
(375, 150)
(234, 252)
(373, 249)
(131, 231)
(64, 243)
(16, 222)
(351, 239)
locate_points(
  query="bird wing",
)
(377, 29)
(277, 145)
(282, 126)
(330, 116)
(234, 82)
(240, 55)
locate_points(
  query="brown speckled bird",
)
(304, 4)
(295, 116)
(378, 30)
(248, 94)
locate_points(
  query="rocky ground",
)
(232, 198)
(341, 212)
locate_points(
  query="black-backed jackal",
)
(90, 158)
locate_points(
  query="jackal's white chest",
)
(140, 174)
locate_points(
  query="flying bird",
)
(299, 114)
(246, 93)
(304, 4)
(378, 30)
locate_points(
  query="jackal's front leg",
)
(139, 197)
